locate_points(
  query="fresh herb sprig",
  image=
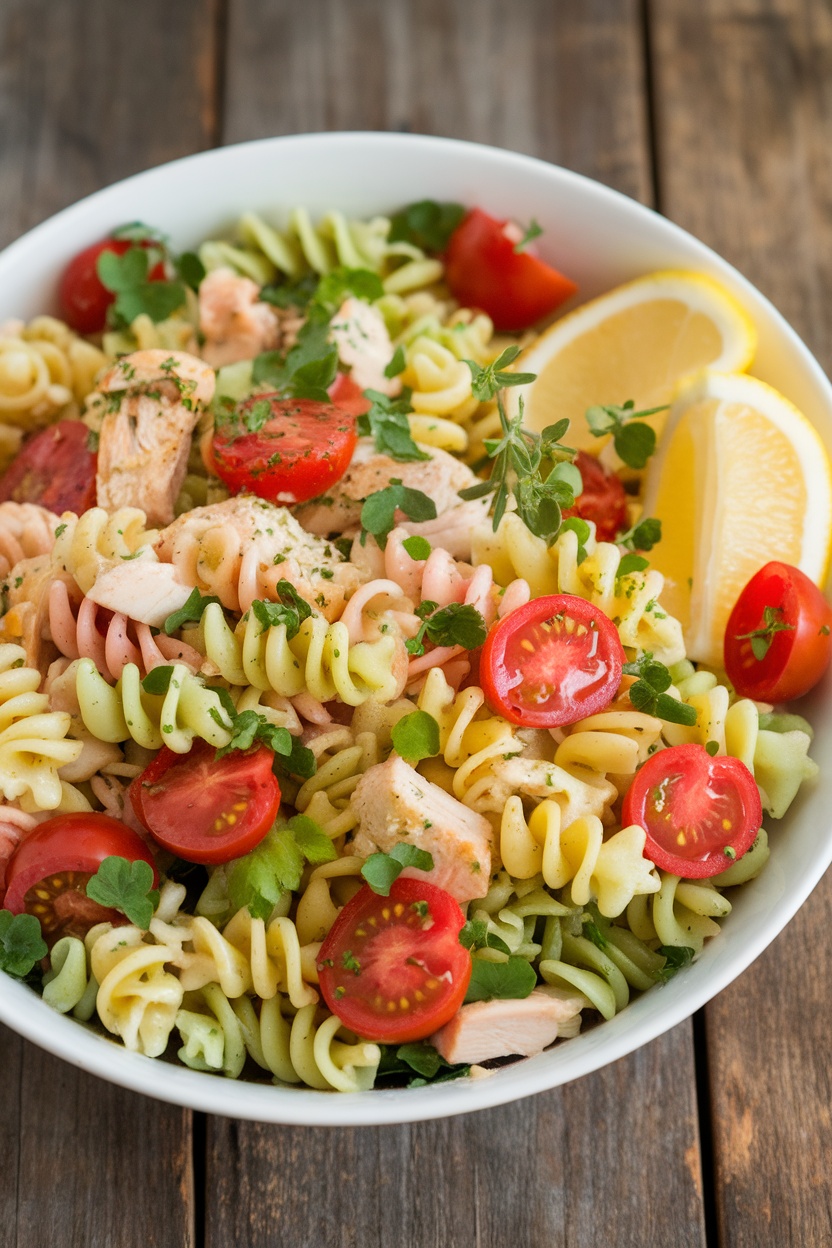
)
(676, 956)
(642, 536)
(649, 693)
(378, 514)
(387, 423)
(421, 1058)
(381, 870)
(426, 224)
(490, 981)
(127, 276)
(535, 469)
(761, 638)
(291, 610)
(190, 612)
(634, 441)
(458, 624)
(259, 879)
(21, 943)
(126, 886)
(416, 736)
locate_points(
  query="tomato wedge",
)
(55, 468)
(48, 873)
(300, 450)
(700, 813)
(348, 395)
(484, 270)
(778, 639)
(207, 809)
(602, 500)
(551, 662)
(392, 968)
(82, 296)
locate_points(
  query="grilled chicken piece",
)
(156, 400)
(360, 334)
(441, 477)
(393, 802)
(487, 1029)
(234, 323)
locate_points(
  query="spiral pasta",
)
(26, 530)
(137, 998)
(440, 382)
(33, 739)
(44, 370)
(87, 545)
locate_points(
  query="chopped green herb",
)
(416, 736)
(642, 536)
(532, 232)
(417, 547)
(21, 943)
(378, 514)
(397, 364)
(761, 638)
(649, 693)
(190, 611)
(426, 224)
(475, 935)
(157, 680)
(491, 981)
(380, 870)
(387, 423)
(458, 624)
(676, 956)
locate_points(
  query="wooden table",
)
(716, 112)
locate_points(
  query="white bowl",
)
(600, 238)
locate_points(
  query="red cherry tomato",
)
(302, 449)
(48, 872)
(348, 395)
(204, 808)
(484, 271)
(55, 468)
(700, 813)
(83, 298)
(603, 499)
(551, 662)
(392, 968)
(793, 622)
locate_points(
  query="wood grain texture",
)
(91, 91)
(560, 79)
(758, 141)
(569, 1167)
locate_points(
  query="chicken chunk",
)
(360, 334)
(487, 1029)
(155, 401)
(235, 324)
(394, 803)
(441, 477)
(144, 590)
(239, 549)
(532, 777)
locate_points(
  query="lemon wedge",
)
(740, 477)
(636, 342)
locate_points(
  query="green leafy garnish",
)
(426, 224)
(380, 870)
(191, 269)
(533, 231)
(157, 680)
(676, 956)
(500, 980)
(634, 441)
(291, 294)
(712, 748)
(126, 886)
(761, 638)
(417, 547)
(642, 536)
(397, 364)
(631, 563)
(421, 1057)
(486, 381)
(458, 624)
(190, 611)
(580, 528)
(387, 423)
(291, 610)
(260, 878)
(251, 727)
(649, 693)
(416, 736)
(127, 277)
(378, 514)
(21, 943)
(475, 935)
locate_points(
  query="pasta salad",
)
(345, 737)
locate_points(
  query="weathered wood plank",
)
(757, 141)
(561, 80)
(567, 1167)
(11, 1063)
(91, 92)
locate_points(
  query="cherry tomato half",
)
(48, 873)
(302, 449)
(551, 662)
(348, 395)
(55, 468)
(700, 813)
(484, 271)
(392, 968)
(204, 808)
(603, 499)
(83, 298)
(792, 620)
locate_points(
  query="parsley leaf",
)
(127, 276)
(191, 269)
(340, 283)
(426, 224)
(190, 611)
(252, 726)
(416, 736)
(458, 624)
(761, 638)
(421, 1057)
(634, 441)
(387, 422)
(649, 693)
(291, 294)
(500, 980)
(631, 563)
(21, 943)
(642, 536)
(475, 935)
(676, 956)
(126, 886)
(417, 547)
(397, 364)
(157, 680)
(380, 870)
(378, 514)
(291, 610)
(260, 878)
(534, 230)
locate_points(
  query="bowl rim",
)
(23, 1012)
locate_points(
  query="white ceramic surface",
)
(600, 238)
